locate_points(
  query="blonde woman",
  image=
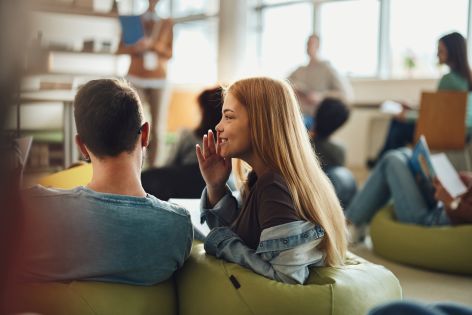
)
(289, 218)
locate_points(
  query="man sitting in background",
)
(110, 230)
(316, 81)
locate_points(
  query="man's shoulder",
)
(167, 207)
(39, 191)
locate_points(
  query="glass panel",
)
(195, 52)
(140, 6)
(416, 26)
(190, 7)
(349, 36)
(285, 30)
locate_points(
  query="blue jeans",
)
(392, 179)
(343, 182)
(413, 308)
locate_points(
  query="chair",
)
(442, 121)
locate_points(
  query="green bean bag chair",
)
(83, 298)
(207, 286)
(446, 248)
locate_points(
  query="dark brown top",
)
(268, 204)
(463, 214)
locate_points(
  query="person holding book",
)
(452, 51)
(148, 69)
(289, 218)
(393, 179)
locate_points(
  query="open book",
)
(426, 166)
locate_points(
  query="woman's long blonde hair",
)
(280, 139)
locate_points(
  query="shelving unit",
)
(71, 9)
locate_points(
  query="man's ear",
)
(82, 147)
(145, 134)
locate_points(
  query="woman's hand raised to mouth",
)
(215, 169)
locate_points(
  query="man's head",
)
(312, 46)
(109, 119)
(331, 114)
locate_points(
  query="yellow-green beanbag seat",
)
(83, 298)
(446, 248)
(204, 288)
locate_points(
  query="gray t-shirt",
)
(80, 234)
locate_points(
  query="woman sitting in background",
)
(180, 177)
(209, 102)
(452, 51)
(392, 179)
(289, 218)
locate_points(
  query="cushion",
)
(84, 298)
(69, 178)
(207, 285)
(442, 248)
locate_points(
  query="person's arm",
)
(276, 258)
(462, 212)
(163, 45)
(223, 213)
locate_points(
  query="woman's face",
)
(233, 130)
(442, 53)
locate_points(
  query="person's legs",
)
(391, 178)
(154, 99)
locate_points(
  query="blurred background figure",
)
(452, 51)
(13, 30)
(210, 103)
(316, 81)
(148, 70)
(331, 115)
(181, 177)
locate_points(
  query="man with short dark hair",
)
(111, 229)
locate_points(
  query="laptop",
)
(193, 207)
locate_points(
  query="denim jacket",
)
(285, 252)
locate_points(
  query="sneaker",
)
(356, 234)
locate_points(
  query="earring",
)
(86, 158)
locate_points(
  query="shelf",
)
(71, 9)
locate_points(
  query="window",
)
(349, 36)
(416, 26)
(191, 7)
(285, 30)
(195, 52)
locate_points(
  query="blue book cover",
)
(423, 171)
(132, 28)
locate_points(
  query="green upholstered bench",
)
(207, 285)
(446, 248)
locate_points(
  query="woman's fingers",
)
(205, 146)
(200, 157)
(211, 142)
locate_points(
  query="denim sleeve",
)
(224, 243)
(285, 252)
(222, 214)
